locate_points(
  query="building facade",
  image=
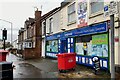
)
(50, 25)
(30, 38)
(84, 30)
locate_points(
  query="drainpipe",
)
(118, 3)
(45, 36)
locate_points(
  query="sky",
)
(17, 11)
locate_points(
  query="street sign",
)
(110, 9)
(106, 11)
(113, 8)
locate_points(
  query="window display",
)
(83, 45)
(100, 45)
(94, 45)
(52, 46)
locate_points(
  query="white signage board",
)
(113, 8)
(110, 9)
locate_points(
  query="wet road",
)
(26, 69)
(47, 68)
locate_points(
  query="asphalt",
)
(47, 68)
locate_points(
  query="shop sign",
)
(91, 29)
(82, 13)
(98, 28)
(54, 36)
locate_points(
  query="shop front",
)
(86, 42)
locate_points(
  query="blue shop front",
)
(86, 42)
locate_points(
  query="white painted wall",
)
(43, 48)
(56, 28)
(56, 23)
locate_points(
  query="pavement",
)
(47, 68)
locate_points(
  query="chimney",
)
(38, 33)
(37, 14)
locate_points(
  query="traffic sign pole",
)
(112, 46)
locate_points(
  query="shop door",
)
(63, 46)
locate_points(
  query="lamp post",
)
(11, 27)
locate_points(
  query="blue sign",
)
(97, 28)
(106, 8)
(54, 36)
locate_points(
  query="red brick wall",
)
(29, 53)
(38, 29)
(35, 52)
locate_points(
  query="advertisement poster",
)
(79, 48)
(52, 46)
(89, 44)
(82, 13)
(100, 45)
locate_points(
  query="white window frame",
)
(71, 13)
(26, 45)
(95, 13)
(43, 28)
(50, 25)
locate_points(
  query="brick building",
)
(29, 39)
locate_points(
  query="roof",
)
(66, 2)
(50, 13)
(30, 21)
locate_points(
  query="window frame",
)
(91, 15)
(70, 13)
(50, 25)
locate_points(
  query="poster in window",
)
(79, 48)
(82, 13)
(89, 44)
(100, 45)
(52, 46)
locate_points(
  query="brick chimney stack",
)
(38, 33)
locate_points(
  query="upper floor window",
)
(71, 13)
(97, 6)
(50, 25)
(43, 28)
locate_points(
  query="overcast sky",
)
(17, 11)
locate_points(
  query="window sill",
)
(70, 23)
(96, 14)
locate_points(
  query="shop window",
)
(52, 46)
(93, 45)
(82, 45)
(71, 13)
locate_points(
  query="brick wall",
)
(38, 29)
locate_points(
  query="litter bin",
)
(6, 70)
(66, 61)
(3, 55)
